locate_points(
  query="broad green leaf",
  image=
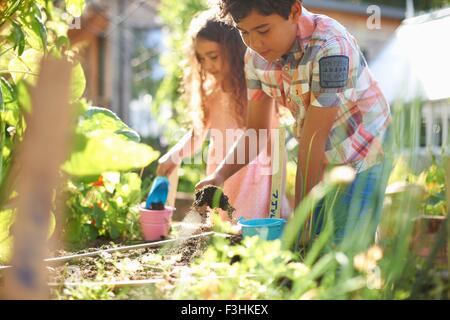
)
(78, 83)
(73, 230)
(130, 187)
(105, 151)
(114, 232)
(111, 179)
(6, 240)
(11, 117)
(12, 8)
(75, 7)
(37, 10)
(8, 93)
(1, 97)
(5, 58)
(39, 29)
(11, 112)
(103, 119)
(32, 34)
(62, 41)
(130, 135)
(26, 66)
(97, 118)
(24, 96)
(6, 220)
(6, 249)
(19, 38)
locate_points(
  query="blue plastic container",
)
(265, 228)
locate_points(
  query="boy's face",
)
(270, 36)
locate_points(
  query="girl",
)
(214, 86)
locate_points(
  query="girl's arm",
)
(311, 151)
(186, 147)
(259, 116)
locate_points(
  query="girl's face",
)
(209, 57)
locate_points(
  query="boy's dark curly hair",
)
(239, 9)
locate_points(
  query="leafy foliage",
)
(29, 31)
(105, 208)
(177, 16)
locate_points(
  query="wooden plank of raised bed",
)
(123, 248)
(132, 283)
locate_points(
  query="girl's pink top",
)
(248, 189)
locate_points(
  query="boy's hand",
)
(213, 179)
(165, 166)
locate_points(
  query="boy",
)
(311, 65)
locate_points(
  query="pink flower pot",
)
(155, 224)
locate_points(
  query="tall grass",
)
(335, 265)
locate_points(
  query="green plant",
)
(177, 17)
(29, 31)
(434, 183)
(96, 292)
(254, 269)
(106, 208)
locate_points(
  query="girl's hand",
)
(165, 166)
(213, 179)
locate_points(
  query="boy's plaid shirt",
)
(325, 68)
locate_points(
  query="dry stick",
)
(40, 155)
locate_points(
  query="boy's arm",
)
(311, 151)
(335, 71)
(259, 116)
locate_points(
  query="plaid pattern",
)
(294, 81)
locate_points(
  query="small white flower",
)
(342, 175)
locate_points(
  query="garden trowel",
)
(158, 193)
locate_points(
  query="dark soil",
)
(190, 249)
(107, 266)
(212, 197)
(157, 206)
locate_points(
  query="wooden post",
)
(40, 155)
(278, 152)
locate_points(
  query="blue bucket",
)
(265, 228)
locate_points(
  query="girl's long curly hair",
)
(209, 27)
